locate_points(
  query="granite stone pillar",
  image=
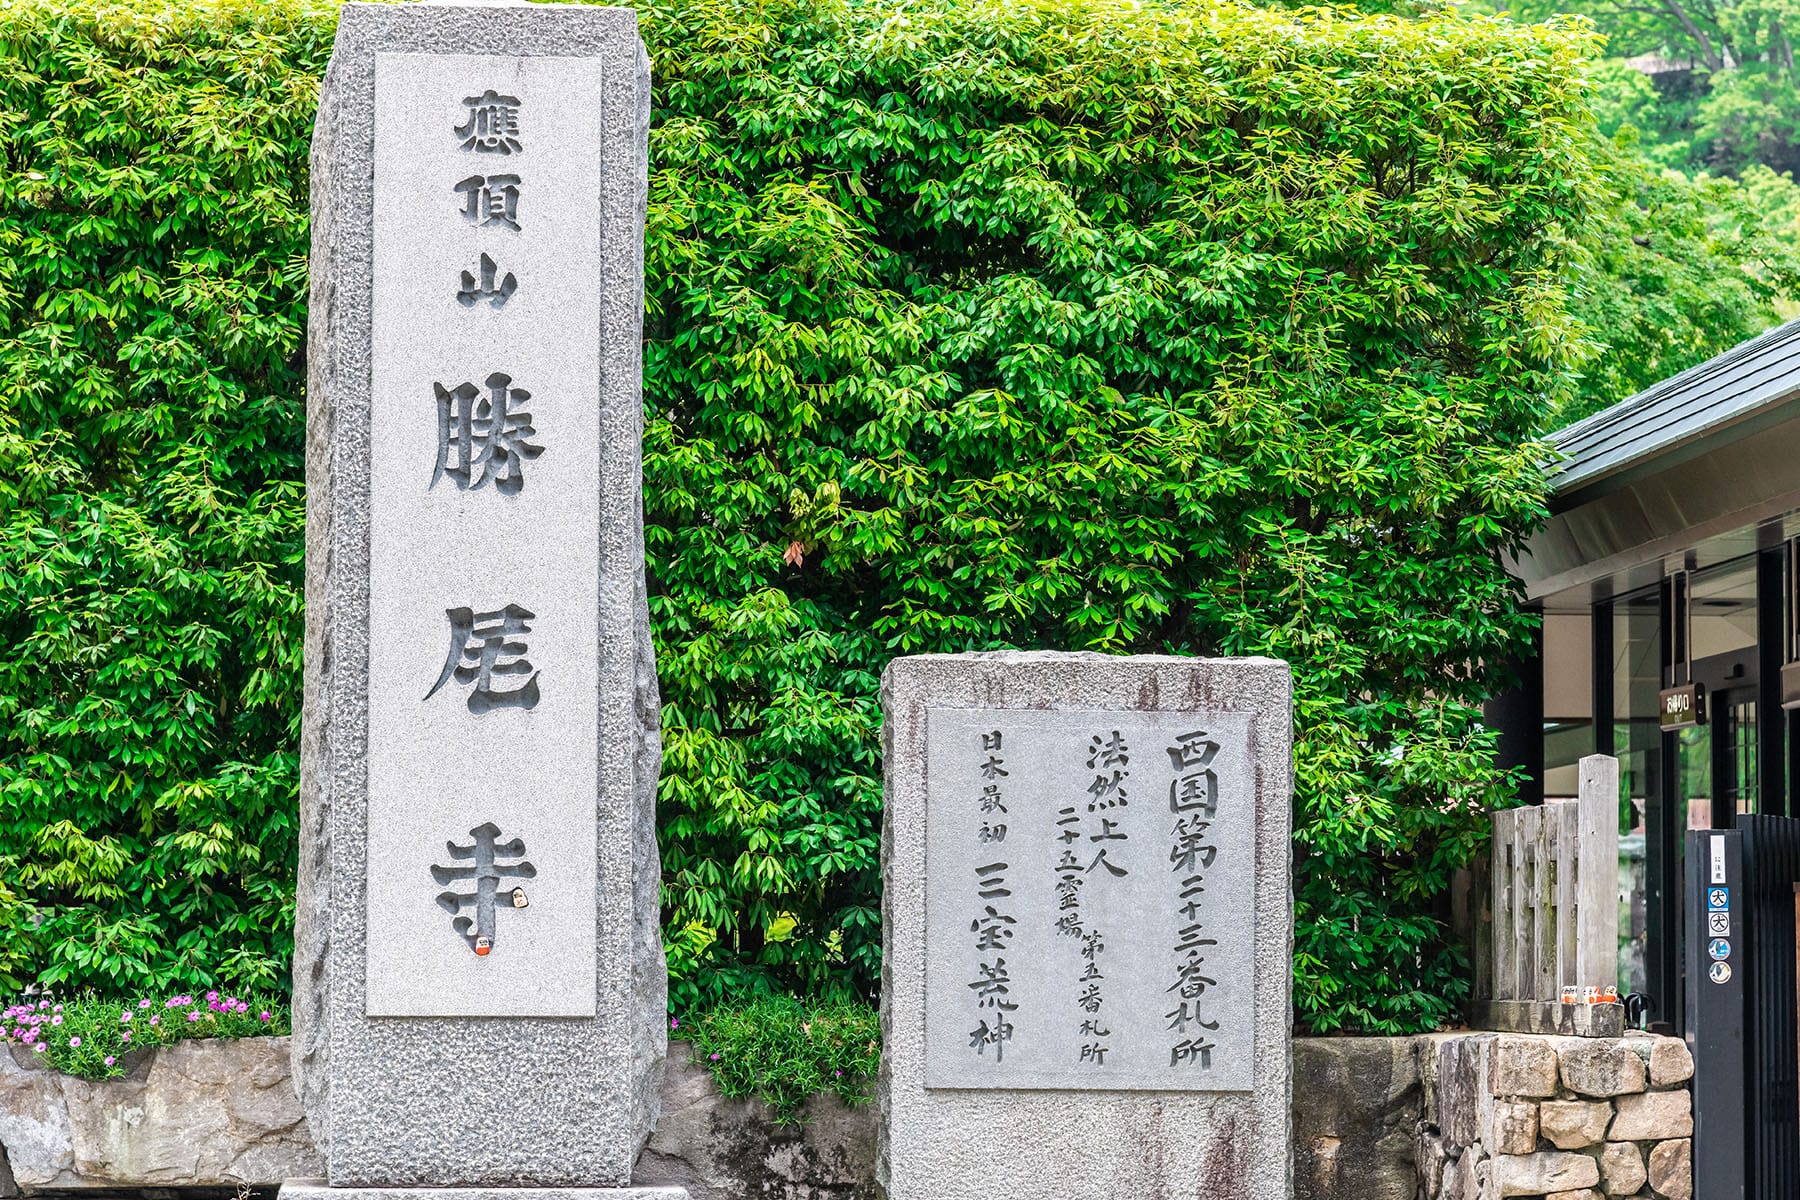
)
(479, 979)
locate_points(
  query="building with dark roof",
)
(1668, 567)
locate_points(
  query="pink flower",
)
(109, 1060)
(42, 1004)
(263, 1016)
(74, 1041)
(212, 997)
(715, 1058)
(39, 1048)
(57, 1019)
(193, 1016)
(29, 1037)
(124, 1018)
(674, 1022)
(126, 1036)
(243, 1006)
(58, 1008)
(154, 1018)
(144, 1003)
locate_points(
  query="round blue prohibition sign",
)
(1719, 948)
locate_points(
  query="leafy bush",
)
(781, 1051)
(97, 1039)
(1068, 324)
(153, 226)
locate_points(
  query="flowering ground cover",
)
(94, 1038)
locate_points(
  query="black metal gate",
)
(1742, 1005)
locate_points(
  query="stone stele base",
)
(317, 1189)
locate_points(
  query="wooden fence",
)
(1555, 891)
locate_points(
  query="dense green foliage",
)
(782, 1051)
(1671, 269)
(1691, 248)
(1076, 324)
(152, 241)
(1714, 85)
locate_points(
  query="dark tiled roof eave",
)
(1721, 391)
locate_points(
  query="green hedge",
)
(1069, 323)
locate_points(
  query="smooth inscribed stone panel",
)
(484, 549)
(1090, 899)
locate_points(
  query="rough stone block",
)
(316, 1189)
(1544, 1171)
(516, 1097)
(213, 1112)
(1600, 1066)
(1194, 1139)
(1670, 1062)
(1457, 1089)
(1515, 1129)
(1522, 1066)
(1578, 1194)
(1622, 1169)
(1469, 1176)
(1575, 1124)
(1672, 1169)
(720, 1148)
(1357, 1105)
(1653, 1115)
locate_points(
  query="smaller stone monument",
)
(479, 984)
(1087, 928)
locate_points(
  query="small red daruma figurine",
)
(482, 946)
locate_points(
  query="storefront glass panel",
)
(1637, 741)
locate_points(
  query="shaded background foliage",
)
(1072, 324)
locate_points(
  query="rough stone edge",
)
(336, 590)
(896, 687)
(314, 1189)
(652, 986)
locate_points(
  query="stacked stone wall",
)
(1561, 1118)
(1466, 1116)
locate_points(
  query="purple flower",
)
(715, 1057)
(243, 1006)
(193, 1016)
(74, 1041)
(839, 1074)
(212, 997)
(109, 1060)
(674, 1022)
(264, 1016)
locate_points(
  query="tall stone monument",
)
(1087, 928)
(479, 979)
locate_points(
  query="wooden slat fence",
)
(1555, 886)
